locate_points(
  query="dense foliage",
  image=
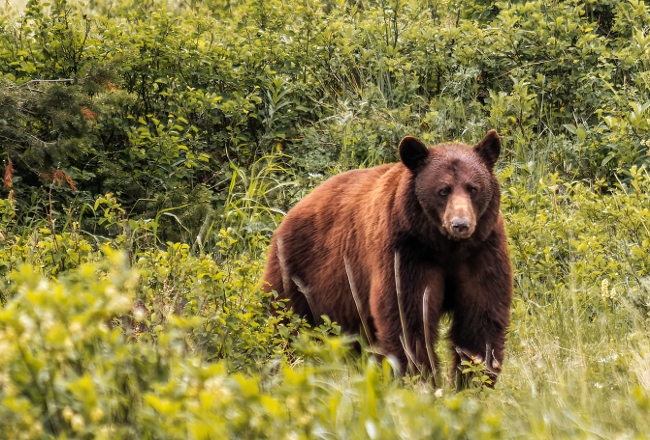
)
(149, 150)
(155, 104)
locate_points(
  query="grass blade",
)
(357, 302)
(427, 341)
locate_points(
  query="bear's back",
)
(340, 197)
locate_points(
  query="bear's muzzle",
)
(459, 220)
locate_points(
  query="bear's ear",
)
(413, 153)
(489, 148)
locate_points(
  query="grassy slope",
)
(578, 361)
(165, 343)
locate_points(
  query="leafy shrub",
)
(154, 103)
(150, 149)
(180, 345)
(85, 356)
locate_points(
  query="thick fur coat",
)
(433, 219)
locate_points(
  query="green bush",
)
(166, 344)
(155, 103)
(149, 150)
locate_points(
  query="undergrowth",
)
(161, 342)
(149, 150)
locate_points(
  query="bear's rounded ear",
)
(489, 148)
(413, 153)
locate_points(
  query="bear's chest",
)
(443, 254)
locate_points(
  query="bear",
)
(389, 250)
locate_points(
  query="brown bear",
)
(389, 250)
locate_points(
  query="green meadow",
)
(150, 149)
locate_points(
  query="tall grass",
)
(210, 359)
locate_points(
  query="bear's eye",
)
(473, 190)
(444, 191)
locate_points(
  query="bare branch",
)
(36, 81)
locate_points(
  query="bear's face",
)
(454, 183)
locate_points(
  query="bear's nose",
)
(460, 226)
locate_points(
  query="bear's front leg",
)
(384, 308)
(479, 301)
(406, 310)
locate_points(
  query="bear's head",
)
(454, 183)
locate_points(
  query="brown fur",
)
(438, 211)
